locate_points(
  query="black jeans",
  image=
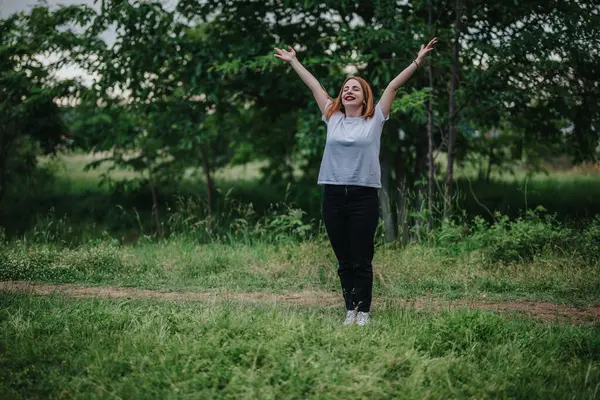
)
(351, 214)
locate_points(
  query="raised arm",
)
(390, 91)
(317, 90)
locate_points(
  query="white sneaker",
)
(350, 317)
(362, 318)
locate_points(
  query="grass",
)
(529, 259)
(182, 264)
(58, 347)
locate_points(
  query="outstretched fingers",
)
(426, 49)
(284, 54)
(432, 42)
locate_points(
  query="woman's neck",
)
(353, 111)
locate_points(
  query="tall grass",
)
(56, 347)
(535, 258)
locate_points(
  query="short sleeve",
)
(379, 114)
(327, 105)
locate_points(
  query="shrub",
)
(508, 240)
(589, 242)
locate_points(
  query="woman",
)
(351, 175)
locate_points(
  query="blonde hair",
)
(368, 107)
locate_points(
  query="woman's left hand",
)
(426, 49)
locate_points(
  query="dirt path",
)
(538, 310)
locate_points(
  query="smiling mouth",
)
(349, 98)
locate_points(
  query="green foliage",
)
(62, 204)
(523, 239)
(238, 223)
(195, 87)
(412, 104)
(521, 58)
(29, 113)
(21, 161)
(520, 240)
(590, 241)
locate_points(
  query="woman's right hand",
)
(285, 55)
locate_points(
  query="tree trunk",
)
(159, 231)
(585, 139)
(452, 122)
(3, 179)
(419, 186)
(6, 143)
(290, 169)
(402, 201)
(389, 222)
(490, 163)
(430, 163)
(210, 184)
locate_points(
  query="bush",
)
(589, 243)
(237, 222)
(508, 240)
(524, 238)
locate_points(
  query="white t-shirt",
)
(351, 155)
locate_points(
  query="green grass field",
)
(63, 348)
(247, 305)
(182, 264)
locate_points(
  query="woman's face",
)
(352, 93)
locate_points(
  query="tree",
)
(430, 117)
(493, 41)
(28, 90)
(171, 113)
(210, 92)
(452, 112)
(534, 61)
